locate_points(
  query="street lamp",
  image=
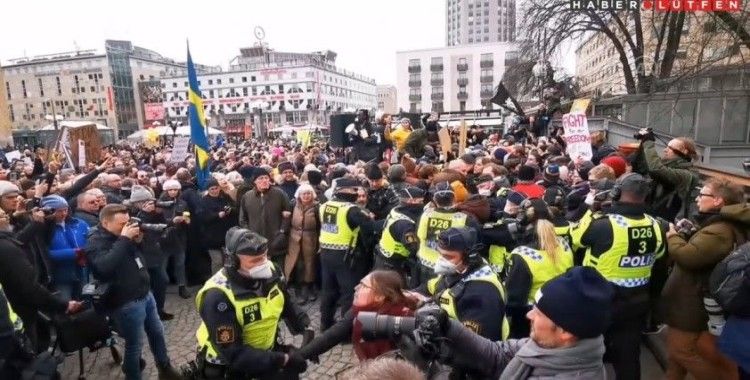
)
(54, 119)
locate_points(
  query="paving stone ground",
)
(181, 343)
(180, 334)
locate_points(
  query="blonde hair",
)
(602, 171)
(548, 242)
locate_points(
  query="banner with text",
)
(577, 137)
(180, 149)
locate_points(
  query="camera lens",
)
(376, 326)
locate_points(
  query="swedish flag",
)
(197, 125)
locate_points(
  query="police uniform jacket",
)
(225, 332)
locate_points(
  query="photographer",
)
(724, 220)
(174, 241)
(152, 225)
(217, 215)
(115, 255)
(673, 174)
(570, 314)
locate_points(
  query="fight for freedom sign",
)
(576, 127)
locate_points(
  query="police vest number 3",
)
(642, 240)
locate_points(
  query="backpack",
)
(729, 282)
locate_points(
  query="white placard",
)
(577, 137)
(81, 153)
(14, 155)
(180, 149)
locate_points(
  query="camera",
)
(164, 204)
(639, 136)
(153, 227)
(379, 326)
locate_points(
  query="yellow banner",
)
(580, 105)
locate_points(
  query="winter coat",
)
(65, 241)
(289, 188)
(262, 213)
(175, 237)
(152, 251)
(674, 182)
(214, 228)
(91, 219)
(524, 359)
(304, 232)
(694, 260)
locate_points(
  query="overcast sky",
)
(365, 33)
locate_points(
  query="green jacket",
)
(674, 179)
(694, 260)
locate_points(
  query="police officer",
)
(341, 220)
(501, 236)
(11, 340)
(541, 256)
(433, 222)
(622, 244)
(240, 308)
(380, 199)
(398, 244)
(466, 287)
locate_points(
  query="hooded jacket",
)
(674, 179)
(694, 259)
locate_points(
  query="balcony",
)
(436, 67)
(436, 96)
(415, 98)
(486, 79)
(462, 81)
(485, 94)
(462, 66)
(486, 64)
(415, 68)
(436, 82)
(463, 96)
(415, 83)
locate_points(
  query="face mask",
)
(445, 267)
(485, 192)
(346, 197)
(261, 272)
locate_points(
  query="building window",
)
(218, 81)
(210, 82)
(12, 115)
(231, 80)
(412, 107)
(7, 90)
(23, 87)
(462, 106)
(174, 84)
(244, 79)
(41, 87)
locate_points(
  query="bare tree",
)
(638, 37)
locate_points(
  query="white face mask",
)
(445, 267)
(485, 192)
(261, 272)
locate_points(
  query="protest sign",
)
(180, 149)
(81, 153)
(444, 136)
(462, 138)
(577, 137)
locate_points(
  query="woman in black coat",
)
(217, 213)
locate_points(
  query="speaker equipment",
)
(338, 124)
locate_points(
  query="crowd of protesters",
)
(519, 194)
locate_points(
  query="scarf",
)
(584, 357)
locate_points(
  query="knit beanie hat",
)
(584, 169)
(7, 188)
(499, 155)
(140, 194)
(617, 163)
(551, 173)
(526, 173)
(516, 198)
(286, 165)
(171, 185)
(373, 172)
(54, 202)
(397, 173)
(579, 301)
(315, 177)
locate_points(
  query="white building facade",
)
(454, 78)
(479, 21)
(269, 89)
(387, 99)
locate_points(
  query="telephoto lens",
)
(377, 326)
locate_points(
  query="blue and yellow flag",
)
(197, 125)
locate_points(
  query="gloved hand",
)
(296, 363)
(645, 134)
(433, 318)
